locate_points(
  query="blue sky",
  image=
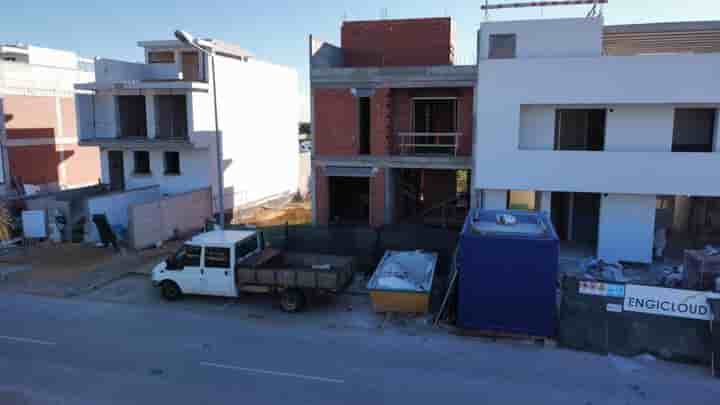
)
(277, 30)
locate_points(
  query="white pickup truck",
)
(226, 263)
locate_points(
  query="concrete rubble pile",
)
(405, 271)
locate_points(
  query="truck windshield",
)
(188, 255)
(247, 246)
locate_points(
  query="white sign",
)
(601, 289)
(613, 308)
(667, 302)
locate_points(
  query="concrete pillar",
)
(681, 213)
(494, 199)
(377, 198)
(389, 195)
(544, 202)
(150, 114)
(627, 227)
(177, 54)
(321, 197)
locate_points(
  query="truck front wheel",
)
(170, 291)
(292, 300)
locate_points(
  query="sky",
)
(278, 30)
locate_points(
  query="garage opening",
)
(683, 222)
(576, 217)
(349, 200)
(431, 197)
(580, 129)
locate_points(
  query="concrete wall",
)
(411, 42)
(115, 206)
(304, 174)
(547, 38)
(169, 217)
(324, 54)
(258, 105)
(194, 173)
(513, 118)
(627, 225)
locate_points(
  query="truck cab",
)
(205, 264)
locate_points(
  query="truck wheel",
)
(170, 291)
(292, 300)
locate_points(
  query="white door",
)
(188, 275)
(218, 271)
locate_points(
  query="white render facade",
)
(561, 124)
(154, 122)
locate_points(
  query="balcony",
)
(428, 143)
(117, 76)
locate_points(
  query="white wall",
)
(52, 57)
(547, 38)
(258, 111)
(516, 108)
(626, 230)
(494, 199)
(115, 207)
(194, 172)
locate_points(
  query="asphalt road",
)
(73, 351)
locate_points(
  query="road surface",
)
(73, 351)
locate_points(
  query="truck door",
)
(187, 274)
(218, 272)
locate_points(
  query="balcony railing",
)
(430, 143)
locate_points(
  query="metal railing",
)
(417, 143)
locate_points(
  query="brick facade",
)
(42, 143)
(335, 122)
(411, 42)
(322, 196)
(377, 199)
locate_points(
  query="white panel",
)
(537, 127)
(547, 38)
(627, 225)
(639, 128)
(495, 199)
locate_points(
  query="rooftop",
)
(221, 47)
(223, 238)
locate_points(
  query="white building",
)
(611, 129)
(154, 122)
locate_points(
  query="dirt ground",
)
(69, 269)
(293, 213)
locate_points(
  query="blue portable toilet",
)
(508, 273)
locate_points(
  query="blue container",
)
(508, 274)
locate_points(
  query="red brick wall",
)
(30, 112)
(322, 198)
(37, 164)
(35, 117)
(377, 199)
(381, 122)
(411, 42)
(402, 111)
(82, 165)
(335, 112)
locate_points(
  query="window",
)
(171, 116)
(131, 116)
(364, 124)
(580, 129)
(172, 163)
(522, 200)
(10, 59)
(502, 46)
(693, 130)
(245, 247)
(190, 256)
(217, 257)
(142, 162)
(161, 57)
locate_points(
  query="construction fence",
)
(598, 320)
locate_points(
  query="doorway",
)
(117, 170)
(576, 216)
(350, 200)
